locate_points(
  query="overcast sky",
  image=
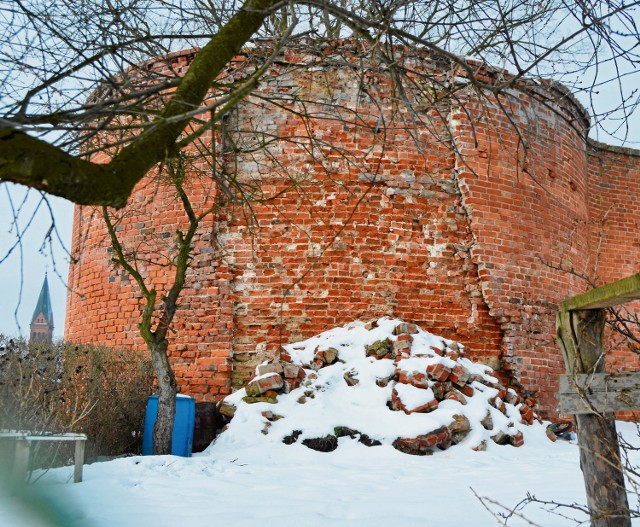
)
(27, 264)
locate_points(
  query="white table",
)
(24, 440)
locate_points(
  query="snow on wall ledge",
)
(447, 217)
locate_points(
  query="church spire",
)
(42, 320)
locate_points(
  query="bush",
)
(64, 388)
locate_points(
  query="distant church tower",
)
(42, 320)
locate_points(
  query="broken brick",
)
(261, 399)
(467, 390)
(227, 409)
(402, 345)
(500, 438)
(512, 397)
(289, 385)
(260, 385)
(460, 375)
(271, 367)
(487, 421)
(438, 372)
(328, 356)
(459, 428)
(425, 408)
(405, 328)
(379, 349)
(414, 378)
(350, 378)
(285, 356)
(517, 439)
(526, 412)
(316, 364)
(480, 447)
(455, 395)
(289, 371)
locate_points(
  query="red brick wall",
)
(524, 184)
(104, 303)
(467, 229)
(614, 213)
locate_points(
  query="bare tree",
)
(159, 307)
(74, 69)
(90, 104)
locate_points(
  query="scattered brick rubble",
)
(414, 389)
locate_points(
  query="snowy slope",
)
(275, 485)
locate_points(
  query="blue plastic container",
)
(182, 438)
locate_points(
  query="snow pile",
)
(384, 382)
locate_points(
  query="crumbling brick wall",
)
(467, 226)
(524, 183)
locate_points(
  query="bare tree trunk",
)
(167, 391)
(156, 341)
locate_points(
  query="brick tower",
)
(445, 221)
(42, 320)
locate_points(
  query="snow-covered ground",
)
(249, 478)
(272, 484)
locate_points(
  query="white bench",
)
(24, 440)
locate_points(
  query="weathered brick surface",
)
(614, 217)
(271, 367)
(470, 235)
(535, 202)
(271, 381)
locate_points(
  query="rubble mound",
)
(383, 382)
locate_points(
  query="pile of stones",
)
(414, 389)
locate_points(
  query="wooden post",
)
(21, 461)
(597, 436)
(580, 334)
(78, 459)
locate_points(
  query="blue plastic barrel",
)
(182, 438)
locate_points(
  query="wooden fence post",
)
(580, 334)
(78, 460)
(597, 436)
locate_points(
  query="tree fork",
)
(30, 161)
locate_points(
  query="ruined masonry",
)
(360, 380)
(449, 219)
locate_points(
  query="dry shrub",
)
(64, 388)
(115, 384)
(30, 385)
